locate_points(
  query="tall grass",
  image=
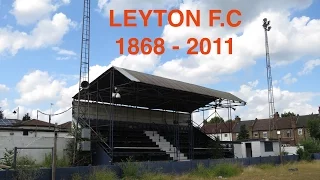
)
(224, 170)
(131, 169)
(97, 174)
(102, 174)
(61, 162)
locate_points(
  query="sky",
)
(40, 42)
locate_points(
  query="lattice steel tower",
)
(83, 108)
(267, 28)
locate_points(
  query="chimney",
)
(276, 115)
(237, 119)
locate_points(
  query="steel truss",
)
(132, 88)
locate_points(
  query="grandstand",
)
(146, 117)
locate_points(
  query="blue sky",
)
(36, 70)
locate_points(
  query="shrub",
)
(27, 169)
(130, 169)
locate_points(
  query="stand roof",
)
(154, 92)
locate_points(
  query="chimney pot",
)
(237, 119)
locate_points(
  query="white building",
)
(256, 148)
(32, 133)
(221, 130)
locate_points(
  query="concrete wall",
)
(123, 113)
(256, 149)
(34, 133)
(239, 152)
(10, 142)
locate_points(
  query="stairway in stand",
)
(166, 146)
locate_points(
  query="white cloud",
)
(289, 39)
(38, 87)
(137, 62)
(119, 6)
(31, 11)
(4, 88)
(46, 33)
(64, 51)
(309, 66)
(284, 100)
(288, 79)
(4, 103)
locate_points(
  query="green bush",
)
(130, 169)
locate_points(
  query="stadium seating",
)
(130, 140)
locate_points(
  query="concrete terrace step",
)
(166, 146)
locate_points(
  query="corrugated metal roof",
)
(174, 84)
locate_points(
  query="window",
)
(25, 132)
(299, 132)
(255, 134)
(225, 135)
(265, 134)
(237, 134)
(268, 146)
(288, 133)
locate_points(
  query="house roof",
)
(262, 125)
(66, 125)
(215, 128)
(155, 92)
(284, 123)
(237, 126)
(34, 122)
(302, 121)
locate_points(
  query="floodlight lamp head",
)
(84, 84)
(264, 19)
(269, 28)
(116, 89)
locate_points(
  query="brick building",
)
(293, 129)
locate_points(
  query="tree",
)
(26, 117)
(216, 119)
(244, 133)
(288, 114)
(313, 127)
(1, 114)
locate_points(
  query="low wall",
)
(163, 166)
(9, 142)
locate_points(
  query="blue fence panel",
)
(316, 156)
(159, 166)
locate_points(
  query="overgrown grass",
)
(61, 162)
(131, 169)
(224, 170)
(265, 166)
(97, 174)
(102, 174)
(27, 169)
